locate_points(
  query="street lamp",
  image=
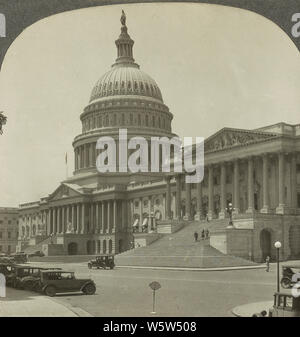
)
(277, 245)
(229, 210)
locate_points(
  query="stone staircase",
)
(38, 247)
(180, 250)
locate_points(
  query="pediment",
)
(64, 191)
(228, 138)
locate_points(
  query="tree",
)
(3, 120)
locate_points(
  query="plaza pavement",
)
(19, 303)
(126, 292)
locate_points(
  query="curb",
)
(194, 268)
(247, 310)
(76, 310)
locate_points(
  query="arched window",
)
(123, 119)
(153, 121)
(115, 119)
(139, 120)
(146, 120)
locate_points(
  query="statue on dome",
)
(123, 18)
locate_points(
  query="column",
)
(76, 158)
(66, 228)
(124, 216)
(187, 201)
(141, 214)
(168, 199)
(250, 186)
(91, 218)
(199, 202)
(102, 217)
(83, 229)
(108, 217)
(114, 215)
(265, 208)
(97, 218)
(280, 209)
(78, 218)
(210, 192)
(73, 218)
(62, 229)
(58, 220)
(178, 197)
(294, 180)
(223, 205)
(236, 186)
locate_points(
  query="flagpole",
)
(66, 161)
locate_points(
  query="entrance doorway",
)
(72, 248)
(265, 243)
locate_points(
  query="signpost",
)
(154, 286)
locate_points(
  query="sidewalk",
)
(247, 310)
(34, 307)
(195, 269)
(21, 303)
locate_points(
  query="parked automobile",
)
(6, 269)
(285, 305)
(20, 257)
(102, 261)
(57, 281)
(37, 253)
(288, 271)
(25, 277)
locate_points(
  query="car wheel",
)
(89, 289)
(50, 291)
(286, 283)
(89, 265)
(29, 285)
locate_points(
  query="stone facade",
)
(8, 229)
(258, 171)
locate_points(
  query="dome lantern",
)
(124, 45)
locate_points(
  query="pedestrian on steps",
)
(203, 234)
(196, 236)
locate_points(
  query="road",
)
(125, 292)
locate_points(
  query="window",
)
(136, 204)
(8, 248)
(298, 199)
(298, 174)
(9, 222)
(0, 235)
(0, 248)
(8, 235)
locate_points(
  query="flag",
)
(66, 158)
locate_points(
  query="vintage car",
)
(285, 305)
(37, 253)
(102, 261)
(6, 269)
(57, 281)
(20, 257)
(25, 277)
(290, 275)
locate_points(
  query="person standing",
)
(206, 234)
(196, 236)
(267, 263)
(203, 234)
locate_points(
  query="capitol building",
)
(258, 171)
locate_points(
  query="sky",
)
(216, 67)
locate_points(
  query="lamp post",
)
(277, 245)
(229, 210)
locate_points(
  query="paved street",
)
(125, 292)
